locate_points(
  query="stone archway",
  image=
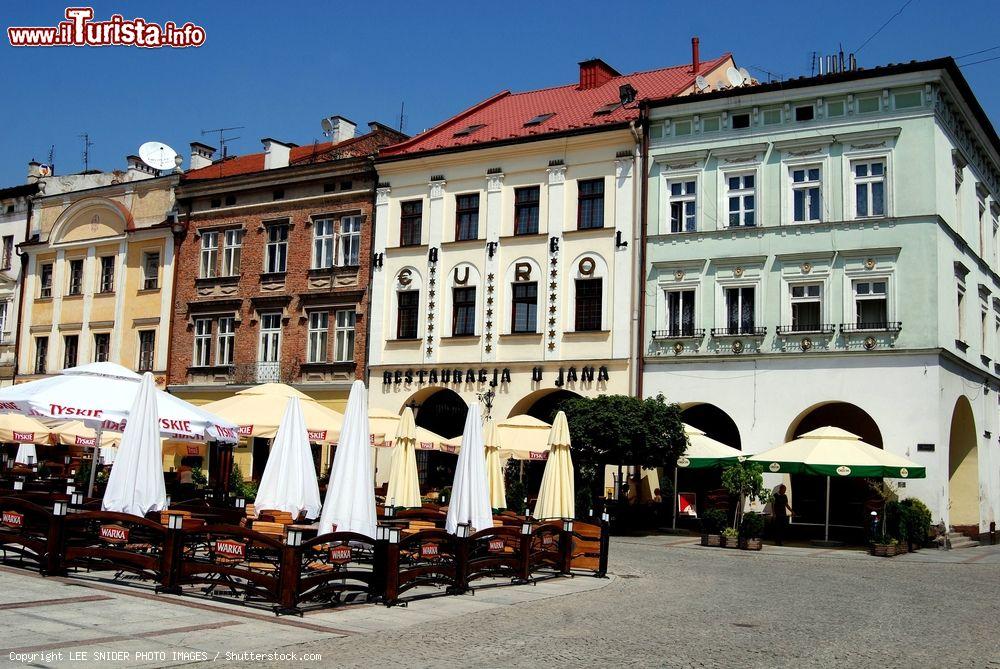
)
(713, 421)
(963, 468)
(442, 411)
(542, 404)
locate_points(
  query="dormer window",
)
(468, 130)
(607, 109)
(540, 119)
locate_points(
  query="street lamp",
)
(463, 530)
(487, 398)
(175, 521)
(59, 508)
(294, 538)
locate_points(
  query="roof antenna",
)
(86, 150)
(222, 138)
(52, 160)
(401, 117)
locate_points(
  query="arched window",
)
(464, 300)
(522, 280)
(588, 294)
(406, 311)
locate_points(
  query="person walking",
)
(781, 511)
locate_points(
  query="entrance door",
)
(261, 449)
(269, 350)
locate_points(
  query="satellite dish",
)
(734, 77)
(746, 75)
(158, 155)
(327, 126)
(701, 83)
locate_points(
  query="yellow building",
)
(99, 272)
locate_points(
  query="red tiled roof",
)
(503, 116)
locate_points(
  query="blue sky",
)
(278, 68)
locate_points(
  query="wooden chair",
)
(271, 529)
(165, 516)
(274, 516)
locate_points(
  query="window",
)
(4, 334)
(346, 327)
(807, 307)
(350, 241)
(981, 197)
(202, 342)
(741, 120)
(588, 305)
(209, 255)
(76, 276)
(230, 200)
(276, 253)
(680, 313)
(682, 128)
(147, 350)
(806, 194)
(869, 188)
(408, 302)
(323, 243)
(71, 347)
(45, 280)
(538, 120)
(742, 195)
(983, 329)
(467, 216)
(463, 317)
(836, 108)
(8, 252)
(740, 310)
(524, 307)
(231, 251)
(526, 210)
(151, 270)
(468, 130)
(226, 340)
(107, 274)
(870, 304)
(907, 100)
(772, 116)
(270, 338)
(319, 332)
(278, 194)
(869, 105)
(590, 204)
(683, 206)
(41, 354)
(710, 124)
(102, 346)
(805, 113)
(410, 220)
(961, 313)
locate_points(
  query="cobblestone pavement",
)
(677, 605)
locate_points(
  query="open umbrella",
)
(289, 479)
(557, 496)
(135, 484)
(470, 492)
(404, 484)
(76, 433)
(702, 452)
(494, 468)
(260, 409)
(18, 429)
(524, 437)
(350, 496)
(831, 451)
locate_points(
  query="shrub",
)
(446, 494)
(918, 520)
(516, 493)
(712, 521)
(245, 489)
(753, 526)
(896, 521)
(198, 476)
(729, 533)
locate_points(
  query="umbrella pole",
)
(826, 532)
(93, 462)
(675, 498)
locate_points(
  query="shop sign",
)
(458, 376)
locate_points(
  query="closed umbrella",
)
(470, 492)
(557, 496)
(350, 496)
(702, 452)
(135, 484)
(289, 479)
(26, 454)
(404, 484)
(494, 468)
(830, 451)
(18, 429)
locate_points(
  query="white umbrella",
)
(470, 491)
(289, 480)
(102, 394)
(135, 485)
(25, 451)
(350, 496)
(109, 454)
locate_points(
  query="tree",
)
(745, 480)
(623, 430)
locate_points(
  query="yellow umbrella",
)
(18, 429)
(494, 470)
(523, 438)
(404, 484)
(75, 433)
(258, 411)
(557, 497)
(384, 425)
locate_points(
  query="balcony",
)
(246, 374)
(739, 332)
(808, 328)
(679, 333)
(871, 327)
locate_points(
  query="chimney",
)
(695, 56)
(34, 171)
(338, 128)
(595, 73)
(275, 153)
(201, 155)
(137, 169)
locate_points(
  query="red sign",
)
(424, 446)
(429, 550)
(449, 449)
(341, 554)
(60, 410)
(496, 545)
(317, 435)
(687, 503)
(86, 441)
(24, 436)
(246, 430)
(114, 534)
(13, 519)
(538, 455)
(230, 549)
(547, 540)
(193, 450)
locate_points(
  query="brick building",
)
(273, 269)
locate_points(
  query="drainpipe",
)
(643, 216)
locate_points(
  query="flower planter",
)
(711, 540)
(884, 550)
(752, 545)
(730, 542)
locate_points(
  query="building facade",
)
(504, 252)
(15, 209)
(824, 251)
(99, 269)
(273, 270)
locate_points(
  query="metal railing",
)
(261, 372)
(739, 332)
(887, 326)
(679, 333)
(817, 328)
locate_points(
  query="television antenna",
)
(86, 150)
(402, 104)
(222, 136)
(52, 159)
(701, 83)
(158, 155)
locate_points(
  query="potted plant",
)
(885, 548)
(745, 481)
(750, 531)
(730, 538)
(712, 522)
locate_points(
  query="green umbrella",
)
(702, 452)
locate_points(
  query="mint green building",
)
(824, 251)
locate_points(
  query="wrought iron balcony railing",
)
(739, 332)
(679, 333)
(888, 326)
(811, 328)
(261, 372)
